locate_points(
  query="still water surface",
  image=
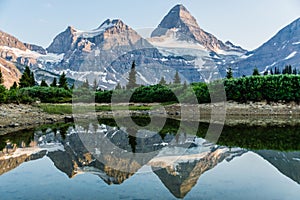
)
(53, 163)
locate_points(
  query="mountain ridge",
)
(177, 44)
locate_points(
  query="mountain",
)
(106, 54)
(180, 22)
(10, 73)
(179, 34)
(281, 50)
(15, 55)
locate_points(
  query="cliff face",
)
(10, 73)
(185, 27)
(281, 50)
(11, 41)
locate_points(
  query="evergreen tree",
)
(86, 84)
(32, 80)
(54, 83)
(2, 94)
(162, 81)
(185, 85)
(95, 85)
(43, 83)
(73, 86)
(289, 69)
(295, 71)
(266, 73)
(255, 72)
(271, 72)
(118, 87)
(229, 74)
(14, 86)
(176, 78)
(277, 70)
(132, 77)
(27, 78)
(62, 82)
(1, 78)
(285, 70)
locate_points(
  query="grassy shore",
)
(69, 108)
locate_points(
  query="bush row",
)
(272, 88)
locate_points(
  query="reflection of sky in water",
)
(245, 177)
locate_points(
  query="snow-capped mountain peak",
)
(181, 22)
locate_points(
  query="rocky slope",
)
(106, 54)
(10, 73)
(177, 44)
(179, 34)
(15, 55)
(281, 50)
(185, 27)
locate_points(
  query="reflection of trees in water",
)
(132, 139)
(180, 180)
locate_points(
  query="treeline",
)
(271, 88)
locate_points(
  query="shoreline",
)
(15, 117)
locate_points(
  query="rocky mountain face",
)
(178, 44)
(11, 41)
(10, 73)
(179, 34)
(106, 54)
(15, 55)
(36, 48)
(281, 50)
(185, 27)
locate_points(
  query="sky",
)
(248, 23)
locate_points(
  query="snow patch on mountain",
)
(90, 34)
(20, 53)
(51, 57)
(291, 55)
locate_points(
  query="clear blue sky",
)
(248, 23)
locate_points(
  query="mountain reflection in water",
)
(177, 160)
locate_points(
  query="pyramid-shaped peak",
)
(178, 8)
(180, 13)
(178, 17)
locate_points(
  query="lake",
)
(108, 160)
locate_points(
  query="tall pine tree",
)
(14, 86)
(229, 74)
(176, 78)
(162, 81)
(118, 87)
(62, 82)
(54, 83)
(27, 79)
(95, 85)
(132, 77)
(86, 84)
(43, 83)
(255, 72)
